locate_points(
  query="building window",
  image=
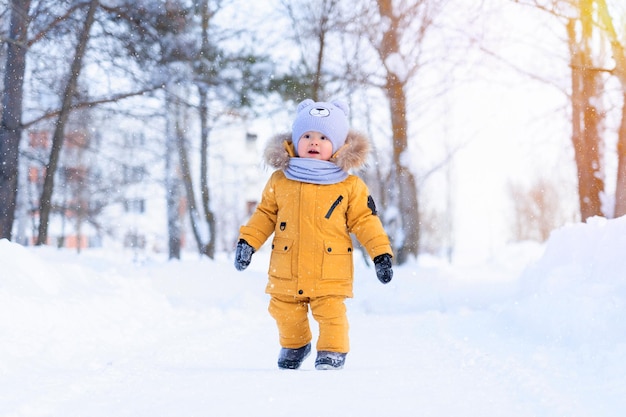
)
(36, 175)
(134, 140)
(38, 139)
(136, 205)
(134, 174)
(77, 175)
(76, 140)
(134, 240)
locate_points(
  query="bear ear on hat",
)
(304, 103)
(342, 105)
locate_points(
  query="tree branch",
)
(92, 103)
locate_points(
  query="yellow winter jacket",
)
(312, 249)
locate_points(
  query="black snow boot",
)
(330, 360)
(293, 358)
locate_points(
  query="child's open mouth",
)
(313, 152)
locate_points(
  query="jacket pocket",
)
(280, 263)
(337, 262)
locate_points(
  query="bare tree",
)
(45, 201)
(619, 71)
(398, 24)
(196, 69)
(586, 114)
(324, 18)
(208, 248)
(389, 26)
(11, 127)
(536, 210)
(173, 183)
(590, 28)
(232, 79)
(48, 22)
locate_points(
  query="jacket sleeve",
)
(261, 224)
(364, 222)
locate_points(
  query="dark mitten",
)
(243, 255)
(383, 268)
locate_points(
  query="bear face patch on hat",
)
(328, 118)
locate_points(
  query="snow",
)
(536, 331)
(396, 64)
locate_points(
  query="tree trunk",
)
(326, 10)
(407, 242)
(619, 55)
(586, 117)
(172, 183)
(11, 128)
(194, 216)
(209, 247)
(403, 179)
(205, 195)
(620, 188)
(45, 202)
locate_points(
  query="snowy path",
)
(96, 335)
(423, 370)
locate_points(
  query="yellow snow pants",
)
(292, 319)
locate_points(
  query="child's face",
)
(315, 145)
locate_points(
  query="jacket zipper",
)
(332, 208)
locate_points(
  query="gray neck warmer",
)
(314, 171)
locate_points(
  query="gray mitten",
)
(383, 268)
(243, 255)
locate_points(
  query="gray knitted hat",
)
(330, 119)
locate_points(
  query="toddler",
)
(311, 204)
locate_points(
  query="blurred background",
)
(141, 124)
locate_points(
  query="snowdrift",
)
(539, 330)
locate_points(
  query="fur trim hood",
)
(353, 154)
